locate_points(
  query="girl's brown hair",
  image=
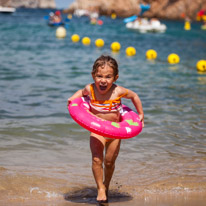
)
(105, 60)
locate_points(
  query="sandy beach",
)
(116, 199)
(26, 189)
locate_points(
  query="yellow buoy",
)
(115, 46)
(198, 18)
(75, 38)
(86, 41)
(99, 43)
(201, 66)
(130, 51)
(173, 59)
(203, 27)
(61, 32)
(204, 17)
(69, 16)
(151, 54)
(113, 16)
(187, 25)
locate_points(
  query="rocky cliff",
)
(164, 9)
(29, 3)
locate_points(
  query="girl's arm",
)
(137, 103)
(79, 93)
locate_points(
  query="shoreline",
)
(61, 188)
(182, 199)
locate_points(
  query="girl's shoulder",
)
(120, 90)
(88, 88)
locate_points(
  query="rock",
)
(174, 9)
(29, 3)
(163, 9)
(120, 7)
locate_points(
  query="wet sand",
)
(23, 189)
(183, 199)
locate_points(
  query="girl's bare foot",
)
(102, 196)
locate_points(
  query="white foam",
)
(33, 188)
(47, 194)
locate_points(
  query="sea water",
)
(45, 155)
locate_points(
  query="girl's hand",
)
(68, 102)
(79, 93)
(141, 116)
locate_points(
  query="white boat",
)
(81, 12)
(143, 25)
(7, 9)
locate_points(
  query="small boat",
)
(55, 19)
(50, 23)
(130, 19)
(143, 9)
(81, 12)
(143, 25)
(7, 10)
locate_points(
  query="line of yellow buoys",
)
(150, 54)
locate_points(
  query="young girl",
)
(105, 102)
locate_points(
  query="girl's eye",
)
(109, 77)
(100, 77)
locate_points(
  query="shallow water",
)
(45, 155)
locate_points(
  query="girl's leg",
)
(112, 151)
(97, 144)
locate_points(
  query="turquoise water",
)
(42, 148)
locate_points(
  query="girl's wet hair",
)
(102, 61)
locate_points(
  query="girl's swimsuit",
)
(106, 105)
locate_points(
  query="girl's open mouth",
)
(103, 87)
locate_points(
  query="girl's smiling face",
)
(104, 79)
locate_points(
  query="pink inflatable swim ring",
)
(128, 127)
